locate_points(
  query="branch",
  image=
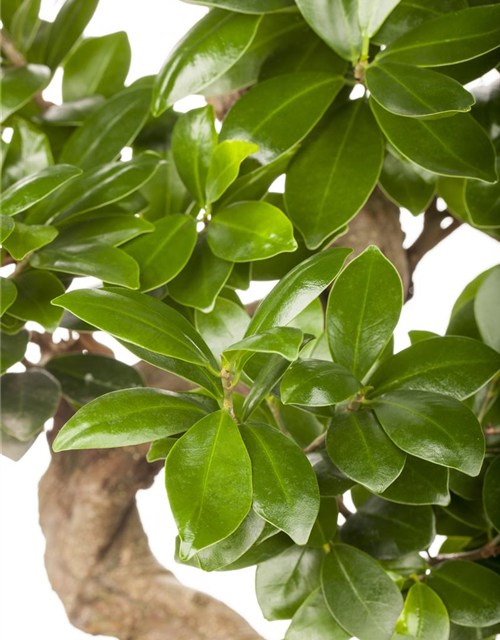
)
(490, 550)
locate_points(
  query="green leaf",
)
(454, 366)
(107, 131)
(285, 487)
(12, 349)
(481, 203)
(424, 616)
(317, 383)
(471, 593)
(406, 184)
(194, 141)
(108, 228)
(325, 526)
(30, 190)
(204, 54)
(25, 23)
(284, 582)
(362, 451)
(247, 6)
(486, 309)
(419, 483)
(27, 238)
(209, 482)
(285, 341)
(129, 417)
(225, 165)
(329, 180)
(363, 310)
(331, 481)
(468, 512)
(413, 92)
(491, 493)
(294, 103)
(84, 377)
(249, 231)
(387, 530)
(434, 427)
(18, 85)
(298, 289)
(161, 255)
(271, 545)
(223, 326)
(202, 279)
(69, 114)
(373, 13)
(98, 66)
(335, 22)
(66, 29)
(140, 320)
(97, 188)
(267, 378)
(360, 595)
(6, 227)
(35, 291)
(10, 325)
(107, 263)
(29, 152)
(29, 399)
(455, 146)
(313, 621)
(8, 294)
(160, 449)
(448, 39)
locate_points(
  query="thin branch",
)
(490, 550)
(316, 444)
(343, 510)
(489, 430)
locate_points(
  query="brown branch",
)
(490, 550)
(343, 510)
(317, 443)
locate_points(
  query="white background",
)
(28, 607)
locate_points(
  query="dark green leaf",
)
(313, 621)
(284, 341)
(405, 183)
(419, 483)
(481, 202)
(68, 26)
(35, 291)
(8, 294)
(29, 399)
(225, 165)
(12, 348)
(434, 427)
(331, 481)
(325, 526)
(424, 616)
(264, 549)
(486, 309)
(69, 114)
(491, 493)
(19, 84)
(285, 487)
(108, 228)
(332, 176)
(27, 238)
(223, 326)
(265, 381)
(467, 512)
(209, 482)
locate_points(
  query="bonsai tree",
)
(263, 418)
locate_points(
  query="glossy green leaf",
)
(66, 29)
(10, 325)
(250, 231)
(387, 530)
(84, 377)
(372, 14)
(448, 39)
(359, 594)
(414, 92)
(29, 152)
(278, 113)
(363, 310)
(107, 263)
(140, 320)
(35, 291)
(202, 279)
(97, 188)
(454, 366)
(486, 309)
(18, 85)
(25, 23)
(268, 546)
(313, 621)
(8, 294)
(223, 326)
(362, 451)
(298, 289)
(194, 141)
(285, 487)
(160, 449)
(209, 482)
(263, 383)
(6, 227)
(419, 483)
(455, 146)
(161, 255)
(70, 114)
(205, 53)
(98, 66)
(29, 399)
(468, 512)
(335, 22)
(108, 228)
(284, 582)
(471, 593)
(424, 616)
(27, 238)
(107, 131)
(247, 6)
(332, 176)
(30, 190)
(434, 427)
(317, 383)
(285, 341)
(325, 526)
(481, 202)
(225, 165)
(128, 417)
(491, 493)
(406, 184)
(12, 348)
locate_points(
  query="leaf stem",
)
(227, 385)
(490, 550)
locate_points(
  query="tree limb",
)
(490, 550)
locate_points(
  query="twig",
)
(491, 431)
(343, 510)
(317, 443)
(490, 550)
